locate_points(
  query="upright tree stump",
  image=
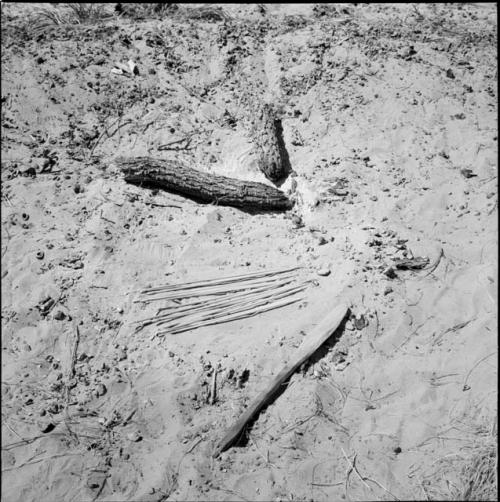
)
(267, 135)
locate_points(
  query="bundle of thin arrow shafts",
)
(214, 301)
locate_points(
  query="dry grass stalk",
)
(216, 282)
(87, 12)
(234, 317)
(31, 462)
(46, 19)
(213, 393)
(435, 264)
(210, 304)
(209, 291)
(208, 13)
(230, 300)
(246, 307)
(471, 472)
(174, 312)
(219, 300)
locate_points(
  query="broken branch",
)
(318, 336)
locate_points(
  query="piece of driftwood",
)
(311, 343)
(221, 190)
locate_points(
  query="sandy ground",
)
(393, 103)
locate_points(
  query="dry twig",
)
(465, 386)
(363, 479)
(31, 462)
(435, 264)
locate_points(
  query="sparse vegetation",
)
(74, 13)
(47, 19)
(470, 473)
(383, 118)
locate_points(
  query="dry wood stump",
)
(267, 135)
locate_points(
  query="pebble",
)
(59, 315)
(134, 437)
(46, 426)
(93, 484)
(44, 165)
(101, 390)
(389, 272)
(324, 272)
(341, 192)
(467, 173)
(360, 322)
(297, 221)
(27, 171)
(54, 408)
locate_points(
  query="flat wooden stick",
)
(311, 343)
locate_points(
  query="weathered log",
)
(267, 135)
(221, 190)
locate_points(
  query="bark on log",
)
(267, 135)
(221, 190)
